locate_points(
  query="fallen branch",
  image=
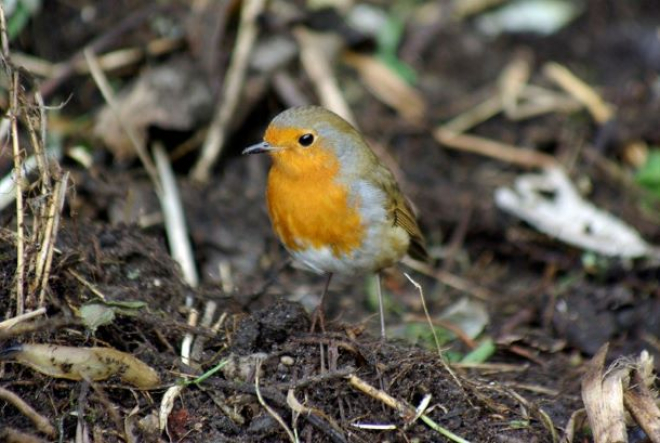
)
(41, 423)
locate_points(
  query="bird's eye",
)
(306, 139)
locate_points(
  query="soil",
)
(550, 307)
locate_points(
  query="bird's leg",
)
(380, 305)
(319, 311)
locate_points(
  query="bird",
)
(333, 204)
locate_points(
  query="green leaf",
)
(94, 315)
(481, 353)
(421, 332)
(648, 175)
(127, 304)
(388, 41)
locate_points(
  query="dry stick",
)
(43, 326)
(45, 238)
(187, 342)
(41, 236)
(475, 115)
(110, 61)
(20, 209)
(491, 148)
(59, 195)
(9, 323)
(175, 220)
(103, 85)
(406, 411)
(428, 318)
(247, 35)
(4, 40)
(449, 279)
(177, 234)
(318, 68)
(513, 81)
(40, 422)
(585, 94)
(87, 284)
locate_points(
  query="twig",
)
(87, 284)
(59, 195)
(20, 208)
(44, 325)
(475, 115)
(4, 39)
(109, 61)
(45, 256)
(198, 346)
(491, 148)
(428, 317)
(247, 35)
(104, 86)
(406, 411)
(513, 80)
(187, 342)
(270, 410)
(175, 220)
(40, 422)
(41, 237)
(449, 279)
(585, 94)
(317, 66)
(10, 322)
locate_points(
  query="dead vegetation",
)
(145, 298)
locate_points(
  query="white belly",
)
(383, 245)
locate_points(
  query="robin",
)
(333, 204)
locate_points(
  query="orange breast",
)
(311, 209)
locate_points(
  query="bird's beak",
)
(258, 148)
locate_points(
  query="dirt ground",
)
(517, 314)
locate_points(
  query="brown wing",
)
(404, 217)
(401, 213)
